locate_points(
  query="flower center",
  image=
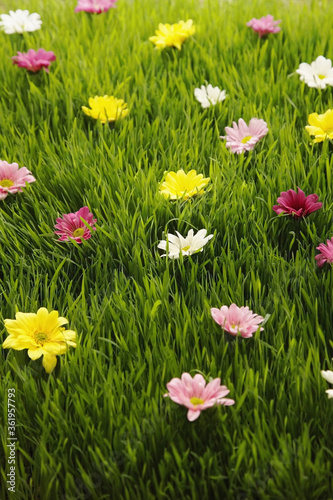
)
(41, 337)
(6, 183)
(246, 139)
(78, 232)
(196, 401)
(186, 248)
(321, 76)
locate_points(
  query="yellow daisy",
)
(321, 126)
(180, 185)
(106, 108)
(172, 35)
(42, 334)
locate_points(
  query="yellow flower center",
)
(41, 337)
(246, 139)
(78, 232)
(197, 401)
(321, 76)
(6, 183)
(186, 248)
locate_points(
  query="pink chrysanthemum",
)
(34, 61)
(13, 178)
(326, 253)
(264, 25)
(95, 6)
(244, 137)
(297, 204)
(196, 395)
(237, 320)
(72, 227)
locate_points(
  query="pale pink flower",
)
(95, 6)
(13, 178)
(244, 137)
(72, 227)
(264, 25)
(34, 61)
(237, 320)
(196, 395)
(297, 204)
(326, 253)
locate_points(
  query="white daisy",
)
(178, 245)
(328, 375)
(318, 74)
(19, 22)
(209, 95)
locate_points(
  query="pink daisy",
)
(244, 137)
(326, 253)
(72, 227)
(237, 320)
(196, 395)
(34, 61)
(264, 25)
(95, 6)
(297, 204)
(13, 178)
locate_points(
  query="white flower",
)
(177, 245)
(328, 375)
(19, 22)
(209, 95)
(318, 74)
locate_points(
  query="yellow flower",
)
(321, 126)
(172, 35)
(106, 109)
(42, 334)
(181, 185)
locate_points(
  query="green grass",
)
(98, 427)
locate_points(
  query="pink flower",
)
(242, 138)
(34, 61)
(237, 320)
(13, 178)
(72, 227)
(326, 253)
(196, 395)
(297, 204)
(95, 6)
(264, 25)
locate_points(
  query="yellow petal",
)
(35, 353)
(49, 362)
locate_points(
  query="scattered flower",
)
(318, 74)
(237, 320)
(180, 185)
(328, 375)
(196, 395)
(19, 21)
(297, 204)
(13, 178)
(95, 6)
(34, 61)
(106, 108)
(320, 126)
(42, 334)
(177, 245)
(243, 138)
(173, 35)
(326, 253)
(209, 95)
(72, 226)
(264, 25)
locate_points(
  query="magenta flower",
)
(196, 395)
(326, 253)
(13, 178)
(237, 320)
(297, 204)
(264, 25)
(72, 226)
(95, 6)
(242, 138)
(34, 61)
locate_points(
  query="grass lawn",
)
(98, 427)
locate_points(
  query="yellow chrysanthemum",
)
(321, 126)
(181, 185)
(42, 334)
(172, 35)
(106, 108)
